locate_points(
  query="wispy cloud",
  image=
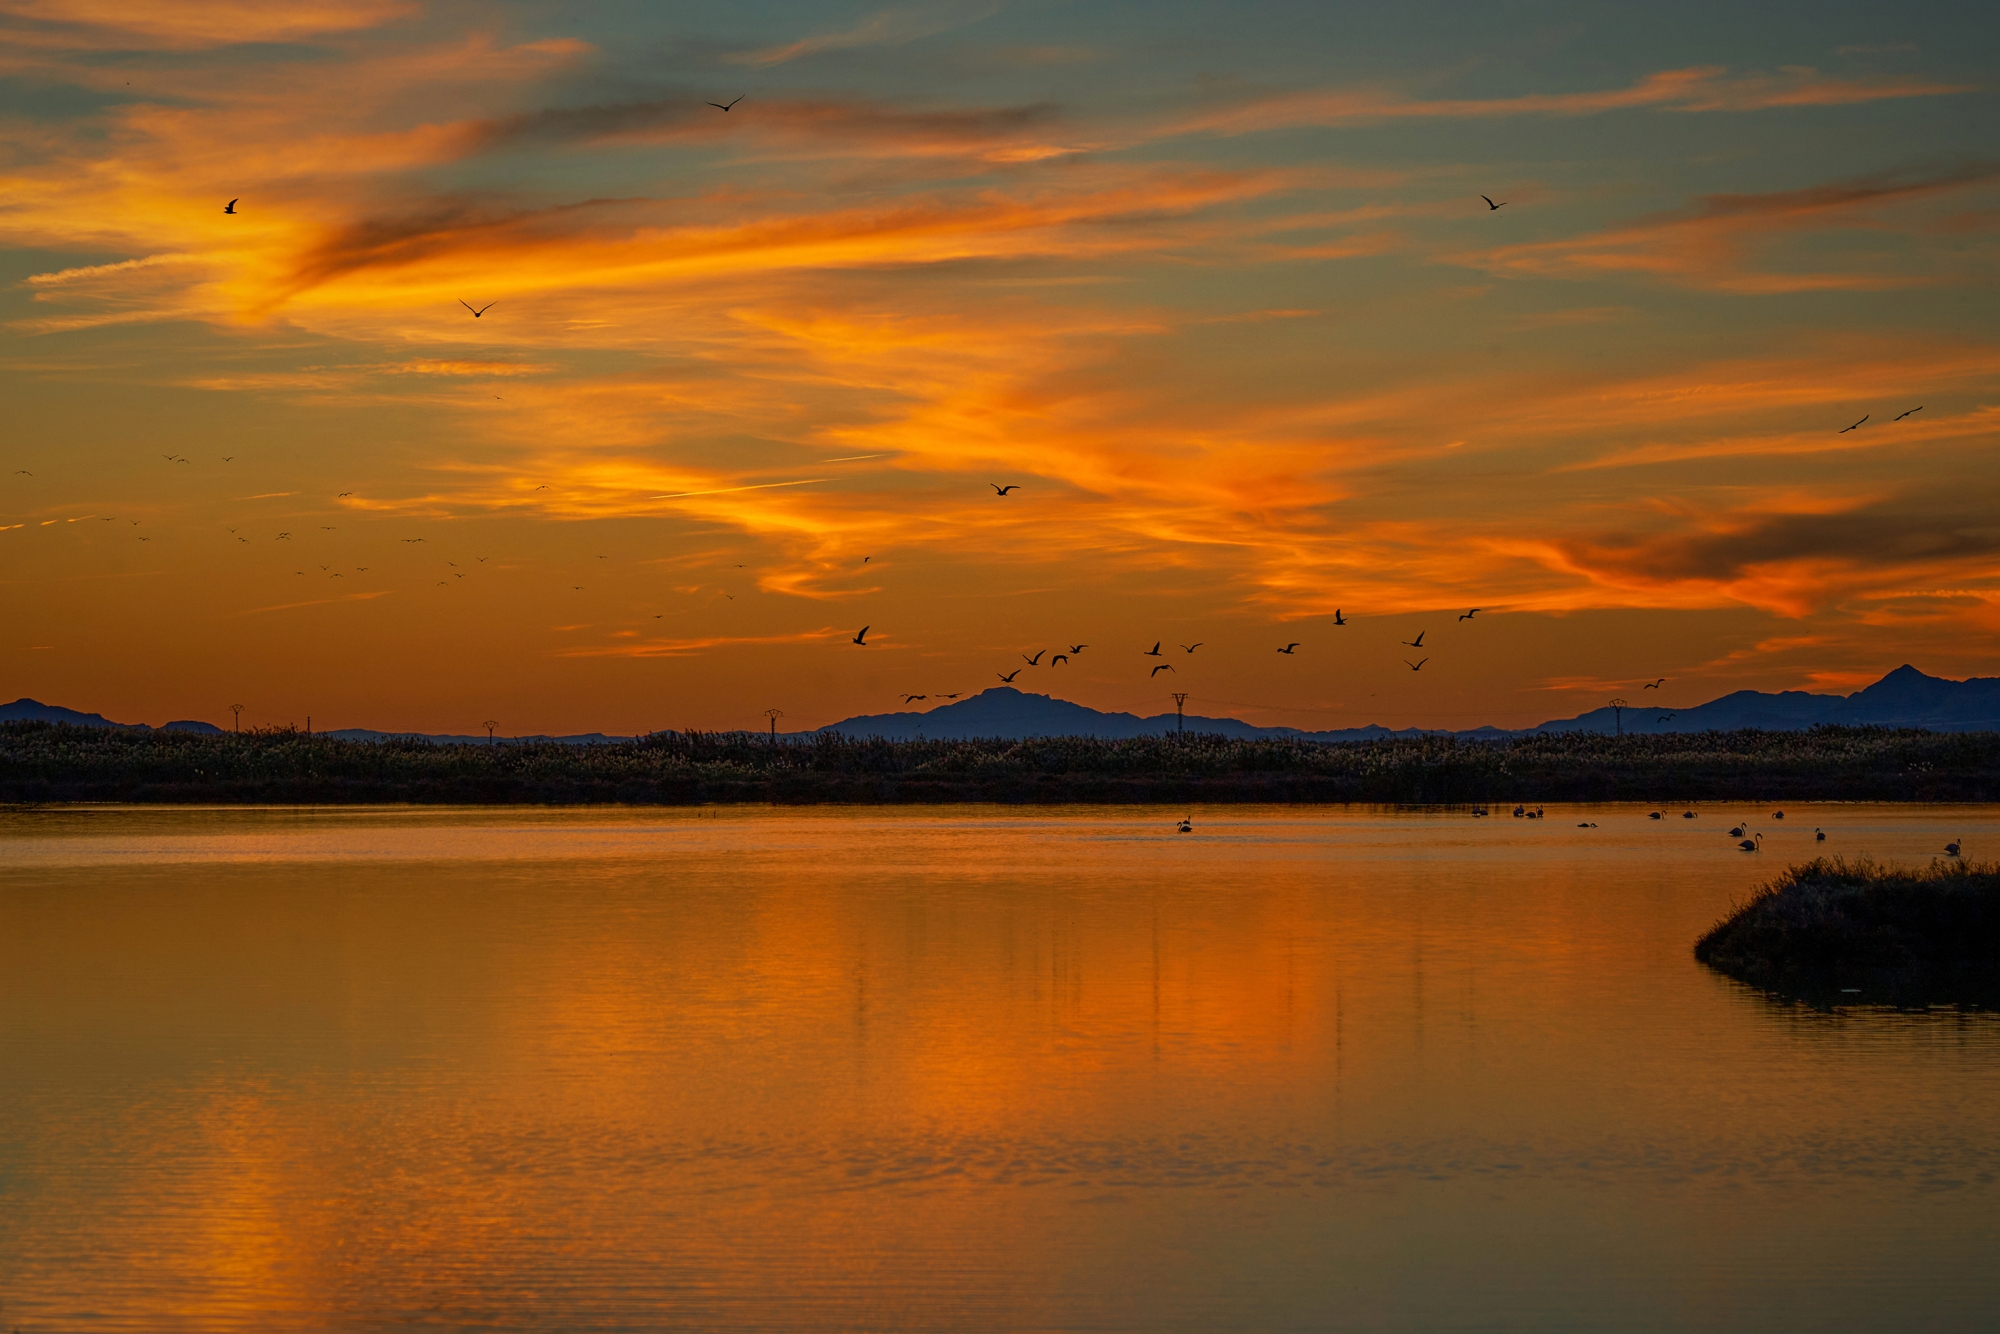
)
(887, 27)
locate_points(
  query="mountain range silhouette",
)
(1905, 697)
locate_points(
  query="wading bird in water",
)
(482, 310)
(862, 638)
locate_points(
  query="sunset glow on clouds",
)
(1228, 307)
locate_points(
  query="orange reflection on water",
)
(952, 1069)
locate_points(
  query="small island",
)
(1833, 931)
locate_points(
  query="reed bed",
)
(56, 762)
(1833, 929)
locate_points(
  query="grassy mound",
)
(1834, 930)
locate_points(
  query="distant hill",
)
(1905, 697)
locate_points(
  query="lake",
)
(963, 1068)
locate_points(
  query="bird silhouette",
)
(1152, 652)
(907, 699)
(1664, 718)
(1749, 846)
(866, 559)
(1655, 685)
(1951, 848)
(1338, 619)
(230, 207)
(1469, 615)
(952, 695)
(1191, 647)
(1418, 642)
(1078, 648)
(1008, 678)
(1416, 666)
(862, 638)
(1819, 835)
(229, 458)
(343, 493)
(1845, 429)
(1288, 649)
(1899, 416)
(482, 310)
(1163, 667)
(1490, 205)
(1060, 657)
(1035, 661)
(1003, 490)
(720, 107)
(484, 559)
(22, 472)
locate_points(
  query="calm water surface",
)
(961, 1069)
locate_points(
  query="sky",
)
(1214, 287)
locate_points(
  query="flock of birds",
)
(1747, 840)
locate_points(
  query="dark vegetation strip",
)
(51, 762)
(1834, 930)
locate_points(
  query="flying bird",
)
(1655, 685)
(1060, 657)
(482, 310)
(230, 207)
(1152, 652)
(1469, 615)
(720, 107)
(231, 458)
(343, 493)
(907, 699)
(1009, 677)
(1035, 661)
(1416, 666)
(1003, 490)
(484, 559)
(1288, 649)
(1078, 648)
(1338, 619)
(952, 695)
(1163, 667)
(1899, 416)
(862, 638)
(22, 472)
(1491, 206)
(1845, 429)
(1418, 642)
(1192, 647)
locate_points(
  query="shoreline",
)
(56, 763)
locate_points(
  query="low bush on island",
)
(54, 762)
(1834, 930)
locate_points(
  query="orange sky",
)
(1222, 297)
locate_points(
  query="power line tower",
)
(1618, 707)
(774, 715)
(237, 709)
(1180, 723)
(489, 725)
